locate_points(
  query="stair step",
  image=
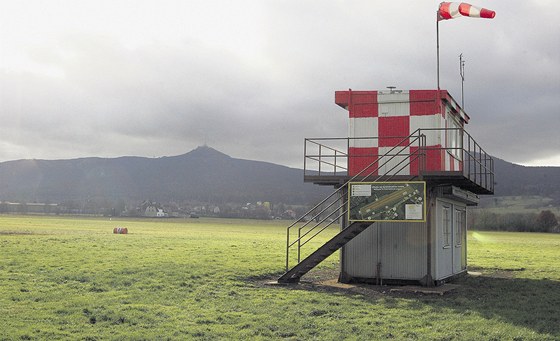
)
(323, 252)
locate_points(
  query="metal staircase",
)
(322, 253)
(334, 208)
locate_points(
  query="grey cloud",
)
(158, 99)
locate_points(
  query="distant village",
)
(152, 209)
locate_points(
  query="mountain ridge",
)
(514, 179)
(204, 174)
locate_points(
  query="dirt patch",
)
(8, 233)
(367, 290)
(374, 290)
(327, 281)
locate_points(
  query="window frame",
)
(447, 225)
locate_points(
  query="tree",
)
(546, 221)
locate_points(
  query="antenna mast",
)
(462, 73)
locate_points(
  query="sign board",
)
(387, 201)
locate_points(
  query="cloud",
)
(253, 79)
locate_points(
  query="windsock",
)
(452, 10)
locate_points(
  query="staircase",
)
(322, 253)
(334, 208)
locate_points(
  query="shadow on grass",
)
(530, 303)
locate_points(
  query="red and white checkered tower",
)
(382, 120)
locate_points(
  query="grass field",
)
(66, 278)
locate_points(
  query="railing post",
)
(348, 156)
(320, 151)
(299, 245)
(459, 153)
(305, 157)
(469, 156)
(492, 177)
(288, 250)
(335, 157)
(485, 172)
(480, 164)
(424, 153)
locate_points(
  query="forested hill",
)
(204, 174)
(512, 179)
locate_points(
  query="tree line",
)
(484, 220)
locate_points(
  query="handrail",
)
(320, 156)
(346, 201)
(477, 165)
(403, 144)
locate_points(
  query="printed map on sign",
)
(387, 201)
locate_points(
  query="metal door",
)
(444, 251)
(459, 230)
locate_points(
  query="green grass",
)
(65, 278)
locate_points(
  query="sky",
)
(253, 78)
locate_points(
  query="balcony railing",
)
(329, 158)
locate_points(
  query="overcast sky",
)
(253, 78)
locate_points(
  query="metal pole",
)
(437, 48)
(462, 73)
(304, 157)
(320, 159)
(335, 157)
(299, 245)
(438, 96)
(288, 250)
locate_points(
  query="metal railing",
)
(478, 166)
(325, 156)
(334, 207)
(475, 164)
(323, 160)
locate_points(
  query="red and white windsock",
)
(452, 10)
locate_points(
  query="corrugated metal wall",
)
(360, 254)
(401, 247)
(401, 251)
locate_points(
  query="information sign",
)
(387, 201)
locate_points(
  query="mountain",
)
(512, 179)
(204, 174)
(207, 175)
